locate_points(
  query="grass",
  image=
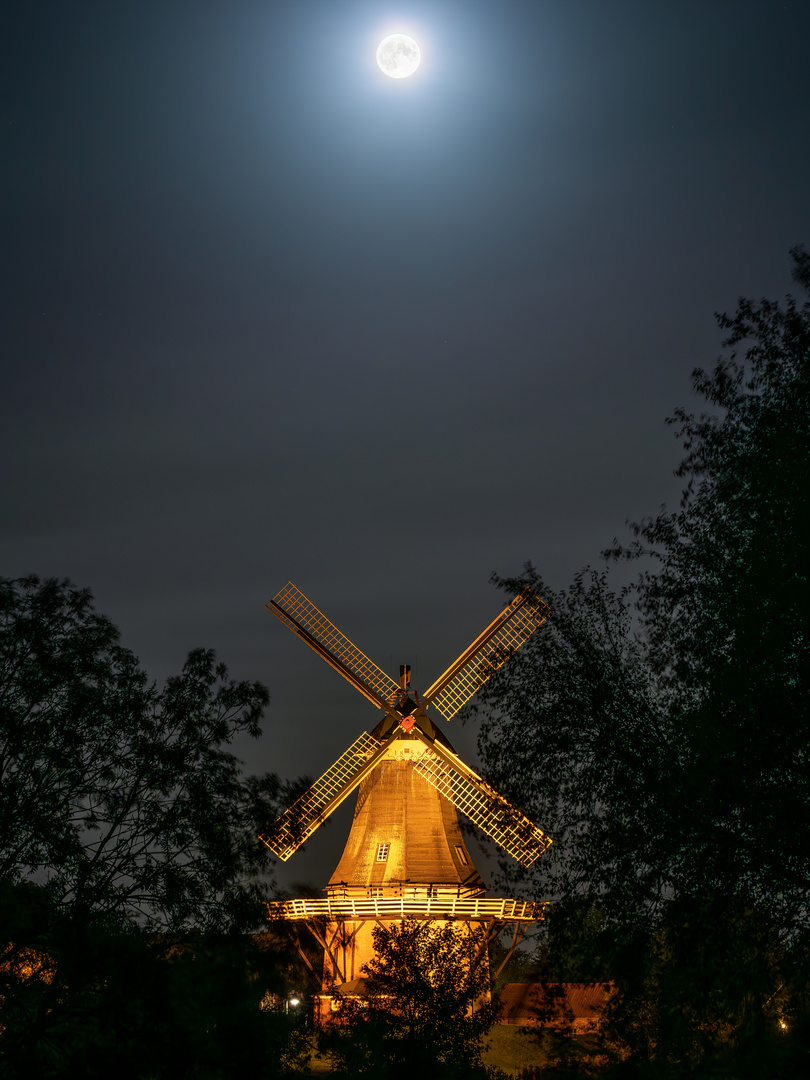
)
(510, 1048)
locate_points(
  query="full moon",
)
(398, 56)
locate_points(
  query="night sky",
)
(267, 314)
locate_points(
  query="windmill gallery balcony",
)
(417, 903)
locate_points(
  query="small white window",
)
(382, 853)
(462, 855)
(375, 892)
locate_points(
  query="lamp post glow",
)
(398, 56)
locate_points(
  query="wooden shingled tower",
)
(405, 855)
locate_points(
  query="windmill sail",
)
(514, 626)
(491, 812)
(441, 768)
(306, 814)
(303, 618)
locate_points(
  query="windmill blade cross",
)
(482, 804)
(299, 821)
(312, 626)
(490, 650)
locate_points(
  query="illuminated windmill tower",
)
(405, 855)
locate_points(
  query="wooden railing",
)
(400, 907)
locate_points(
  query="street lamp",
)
(291, 1002)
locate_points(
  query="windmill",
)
(405, 855)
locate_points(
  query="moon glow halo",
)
(398, 56)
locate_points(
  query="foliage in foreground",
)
(147, 1006)
(124, 804)
(425, 1007)
(121, 797)
(660, 733)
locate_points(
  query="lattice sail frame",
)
(490, 650)
(454, 780)
(299, 821)
(303, 618)
(482, 804)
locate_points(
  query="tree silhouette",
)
(122, 798)
(124, 804)
(423, 1006)
(660, 733)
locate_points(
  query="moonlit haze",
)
(267, 315)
